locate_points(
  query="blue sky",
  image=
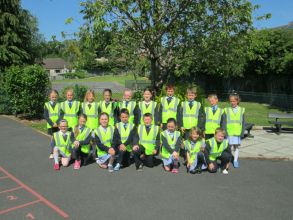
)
(51, 14)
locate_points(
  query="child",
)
(213, 117)
(70, 110)
(169, 106)
(171, 141)
(90, 109)
(104, 140)
(123, 137)
(146, 143)
(129, 105)
(52, 115)
(83, 137)
(108, 106)
(234, 122)
(61, 143)
(217, 148)
(190, 113)
(147, 106)
(194, 147)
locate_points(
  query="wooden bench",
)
(248, 127)
(278, 123)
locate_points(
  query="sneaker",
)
(140, 168)
(110, 168)
(198, 170)
(225, 171)
(175, 170)
(76, 164)
(117, 167)
(192, 172)
(51, 156)
(236, 164)
(56, 166)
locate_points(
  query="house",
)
(57, 68)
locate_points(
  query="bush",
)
(76, 75)
(26, 89)
(78, 90)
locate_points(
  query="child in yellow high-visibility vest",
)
(90, 109)
(130, 105)
(109, 106)
(234, 123)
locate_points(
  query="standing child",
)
(90, 109)
(81, 146)
(190, 112)
(52, 115)
(217, 148)
(234, 122)
(213, 117)
(70, 110)
(130, 105)
(194, 147)
(105, 146)
(123, 138)
(169, 106)
(171, 142)
(146, 143)
(147, 106)
(108, 106)
(61, 143)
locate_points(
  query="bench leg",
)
(278, 127)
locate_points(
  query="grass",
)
(106, 78)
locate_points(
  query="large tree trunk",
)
(153, 75)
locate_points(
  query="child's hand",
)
(111, 151)
(202, 149)
(211, 166)
(175, 155)
(122, 147)
(76, 143)
(154, 151)
(188, 165)
(135, 148)
(161, 126)
(55, 125)
(182, 129)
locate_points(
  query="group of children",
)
(115, 134)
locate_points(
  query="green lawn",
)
(107, 78)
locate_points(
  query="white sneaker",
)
(225, 171)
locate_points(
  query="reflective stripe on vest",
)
(53, 113)
(169, 110)
(172, 142)
(148, 140)
(190, 116)
(105, 138)
(215, 151)
(70, 114)
(212, 120)
(125, 133)
(92, 115)
(150, 109)
(234, 121)
(62, 145)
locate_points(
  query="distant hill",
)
(288, 26)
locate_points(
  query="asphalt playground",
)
(31, 189)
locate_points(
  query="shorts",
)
(168, 161)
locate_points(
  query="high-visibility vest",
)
(193, 149)
(109, 110)
(92, 115)
(63, 145)
(81, 137)
(70, 114)
(213, 121)
(190, 116)
(216, 152)
(124, 133)
(234, 121)
(106, 138)
(149, 109)
(169, 110)
(130, 107)
(148, 140)
(53, 113)
(172, 142)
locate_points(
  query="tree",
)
(175, 36)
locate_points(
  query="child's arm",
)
(166, 145)
(207, 150)
(135, 138)
(201, 118)
(180, 116)
(53, 144)
(160, 114)
(138, 115)
(243, 126)
(79, 109)
(158, 142)
(224, 123)
(86, 141)
(46, 116)
(157, 115)
(115, 112)
(135, 113)
(178, 144)
(116, 139)
(188, 159)
(178, 109)
(130, 137)
(100, 145)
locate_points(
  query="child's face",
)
(233, 102)
(170, 92)
(107, 96)
(171, 127)
(127, 95)
(147, 120)
(104, 120)
(194, 136)
(53, 97)
(219, 137)
(191, 96)
(147, 95)
(69, 95)
(81, 121)
(90, 98)
(63, 127)
(124, 118)
(213, 101)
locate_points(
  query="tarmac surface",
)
(31, 189)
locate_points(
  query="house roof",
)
(55, 63)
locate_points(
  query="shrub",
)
(78, 90)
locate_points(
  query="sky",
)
(52, 14)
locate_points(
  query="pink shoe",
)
(174, 170)
(56, 166)
(76, 164)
